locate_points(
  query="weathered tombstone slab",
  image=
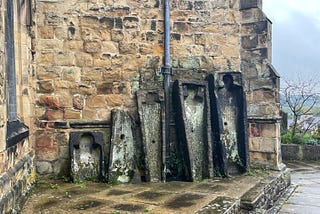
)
(87, 156)
(121, 166)
(218, 155)
(193, 128)
(232, 105)
(150, 111)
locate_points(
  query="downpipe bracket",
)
(166, 70)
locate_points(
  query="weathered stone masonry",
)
(91, 57)
(262, 85)
(80, 59)
(16, 154)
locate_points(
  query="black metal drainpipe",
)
(167, 72)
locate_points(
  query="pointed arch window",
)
(16, 130)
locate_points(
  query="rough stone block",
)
(200, 5)
(72, 45)
(49, 101)
(64, 59)
(181, 27)
(78, 102)
(45, 58)
(269, 144)
(270, 130)
(200, 39)
(263, 95)
(107, 22)
(53, 19)
(89, 114)
(127, 48)
(105, 88)
(63, 87)
(92, 46)
(61, 138)
(230, 51)
(146, 48)
(46, 149)
(61, 33)
(102, 62)
(71, 74)
(190, 62)
(45, 32)
(44, 167)
(110, 47)
(248, 4)
(117, 35)
(249, 42)
(83, 59)
(98, 101)
(264, 158)
(260, 27)
(49, 44)
(90, 34)
(48, 72)
(130, 22)
(89, 21)
(254, 130)
(254, 143)
(91, 74)
(85, 89)
(72, 114)
(54, 115)
(104, 114)
(45, 86)
(115, 100)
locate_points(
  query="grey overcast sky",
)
(296, 37)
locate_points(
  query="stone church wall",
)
(16, 154)
(91, 57)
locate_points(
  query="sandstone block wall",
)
(262, 85)
(16, 162)
(92, 56)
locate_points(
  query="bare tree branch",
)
(301, 97)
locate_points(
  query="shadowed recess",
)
(185, 200)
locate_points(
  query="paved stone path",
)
(57, 197)
(305, 192)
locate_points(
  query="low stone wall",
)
(259, 199)
(15, 184)
(300, 152)
(265, 194)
